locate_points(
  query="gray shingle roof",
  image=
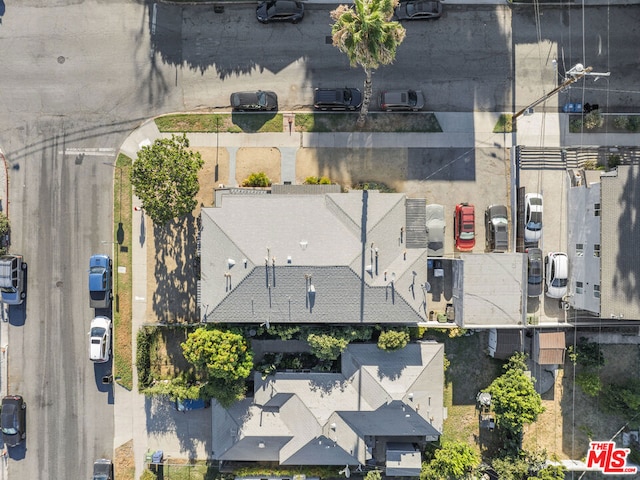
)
(323, 418)
(257, 250)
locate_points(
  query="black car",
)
(280, 11)
(254, 101)
(419, 10)
(337, 99)
(13, 420)
(534, 272)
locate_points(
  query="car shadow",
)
(103, 374)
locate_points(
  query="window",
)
(579, 287)
(596, 250)
(596, 291)
(596, 209)
(579, 250)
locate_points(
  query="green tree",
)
(165, 178)
(393, 339)
(623, 399)
(326, 346)
(366, 34)
(454, 460)
(218, 354)
(226, 392)
(589, 382)
(514, 398)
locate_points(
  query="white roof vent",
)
(231, 262)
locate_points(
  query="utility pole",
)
(573, 75)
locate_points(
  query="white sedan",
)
(100, 340)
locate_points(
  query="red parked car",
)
(464, 229)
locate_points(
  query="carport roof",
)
(493, 295)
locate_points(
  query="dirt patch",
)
(167, 360)
(573, 418)
(255, 160)
(214, 172)
(124, 464)
(347, 166)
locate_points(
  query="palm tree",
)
(368, 37)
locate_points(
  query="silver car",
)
(402, 100)
(435, 230)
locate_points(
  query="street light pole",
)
(573, 75)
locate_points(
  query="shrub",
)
(633, 123)
(589, 382)
(312, 181)
(145, 340)
(325, 346)
(258, 179)
(373, 475)
(381, 187)
(593, 119)
(575, 125)
(393, 340)
(613, 161)
(621, 122)
(325, 181)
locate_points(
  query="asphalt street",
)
(78, 76)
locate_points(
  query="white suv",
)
(532, 217)
(556, 274)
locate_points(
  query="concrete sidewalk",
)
(460, 130)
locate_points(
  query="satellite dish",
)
(346, 471)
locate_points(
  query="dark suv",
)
(337, 99)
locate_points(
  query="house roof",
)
(325, 418)
(549, 348)
(619, 265)
(306, 258)
(492, 296)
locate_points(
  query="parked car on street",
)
(100, 294)
(556, 266)
(103, 469)
(13, 420)
(534, 272)
(13, 287)
(337, 99)
(254, 101)
(496, 226)
(464, 227)
(532, 217)
(435, 230)
(100, 340)
(280, 11)
(402, 100)
(418, 10)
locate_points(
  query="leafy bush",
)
(224, 391)
(326, 346)
(216, 353)
(621, 122)
(623, 399)
(317, 181)
(373, 475)
(593, 119)
(325, 181)
(575, 125)
(393, 340)
(381, 187)
(145, 340)
(613, 161)
(633, 123)
(176, 389)
(589, 382)
(586, 354)
(258, 179)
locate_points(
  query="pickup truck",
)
(12, 279)
(100, 281)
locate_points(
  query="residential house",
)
(379, 410)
